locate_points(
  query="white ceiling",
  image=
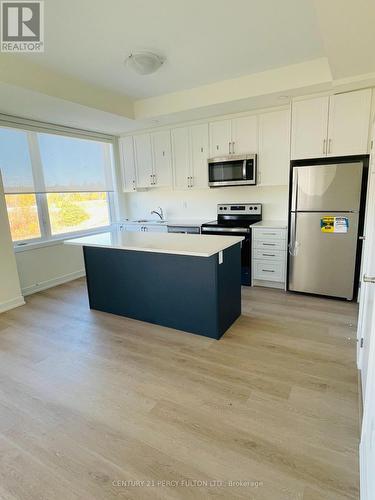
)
(203, 40)
(222, 56)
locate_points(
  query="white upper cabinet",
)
(181, 157)
(331, 126)
(190, 153)
(152, 153)
(237, 136)
(349, 118)
(273, 154)
(220, 138)
(244, 135)
(162, 163)
(127, 162)
(199, 155)
(309, 128)
(143, 160)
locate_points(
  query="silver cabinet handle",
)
(329, 145)
(324, 146)
(268, 255)
(233, 147)
(229, 144)
(269, 244)
(368, 279)
(267, 271)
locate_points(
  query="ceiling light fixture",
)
(144, 63)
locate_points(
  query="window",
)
(23, 216)
(77, 211)
(54, 185)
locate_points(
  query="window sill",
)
(58, 240)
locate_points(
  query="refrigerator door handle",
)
(294, 189)
(293, 245)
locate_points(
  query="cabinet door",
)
(199, 155)
(161, 148)
(309, 128)
(349, 118)
(155, 228)
(127, 164)
(244, 135)
(181, 157)
(143, 160)
(274, 146)
(220, 138)
(134, 228)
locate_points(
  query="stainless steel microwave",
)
(232, 170)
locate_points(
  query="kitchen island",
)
(182, 281)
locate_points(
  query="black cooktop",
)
(236, 215)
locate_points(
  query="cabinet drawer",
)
(260, 253)
(270, 271)
(270, 244)
(268, 233)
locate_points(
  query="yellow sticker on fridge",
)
(331, 224)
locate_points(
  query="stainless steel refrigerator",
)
(323, 232)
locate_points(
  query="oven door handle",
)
(225, 230)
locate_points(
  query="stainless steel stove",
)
(236, 219)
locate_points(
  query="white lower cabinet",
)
(144, 228)
(269, 256)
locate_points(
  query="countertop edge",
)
(154, 250)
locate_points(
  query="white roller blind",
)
(15, 161)
(74, 165)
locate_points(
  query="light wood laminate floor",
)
(90, 401)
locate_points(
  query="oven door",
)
(232, 171)
(245, 249)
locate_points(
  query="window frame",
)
(46, 237)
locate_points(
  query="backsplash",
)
(201, 204)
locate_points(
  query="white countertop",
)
(169, 222)
(271, 224)
(197, 245)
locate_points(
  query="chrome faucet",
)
(159, 213)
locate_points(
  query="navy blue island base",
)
(195, 294)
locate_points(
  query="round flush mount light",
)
(143, 62)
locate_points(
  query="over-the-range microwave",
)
(232, 170)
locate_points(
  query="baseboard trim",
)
(59, 280)
(11, 304)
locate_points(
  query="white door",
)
(181, 157)
(367, 295)
(348, 125)
(143, 160)
(161, 149)
(199, 155)
(274, 147)
(127, 164)
(220, 138)
(366, 354)
(245, 135)
(309, 128)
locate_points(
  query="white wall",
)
(202, 203)
(47, 266)
(10, 293)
